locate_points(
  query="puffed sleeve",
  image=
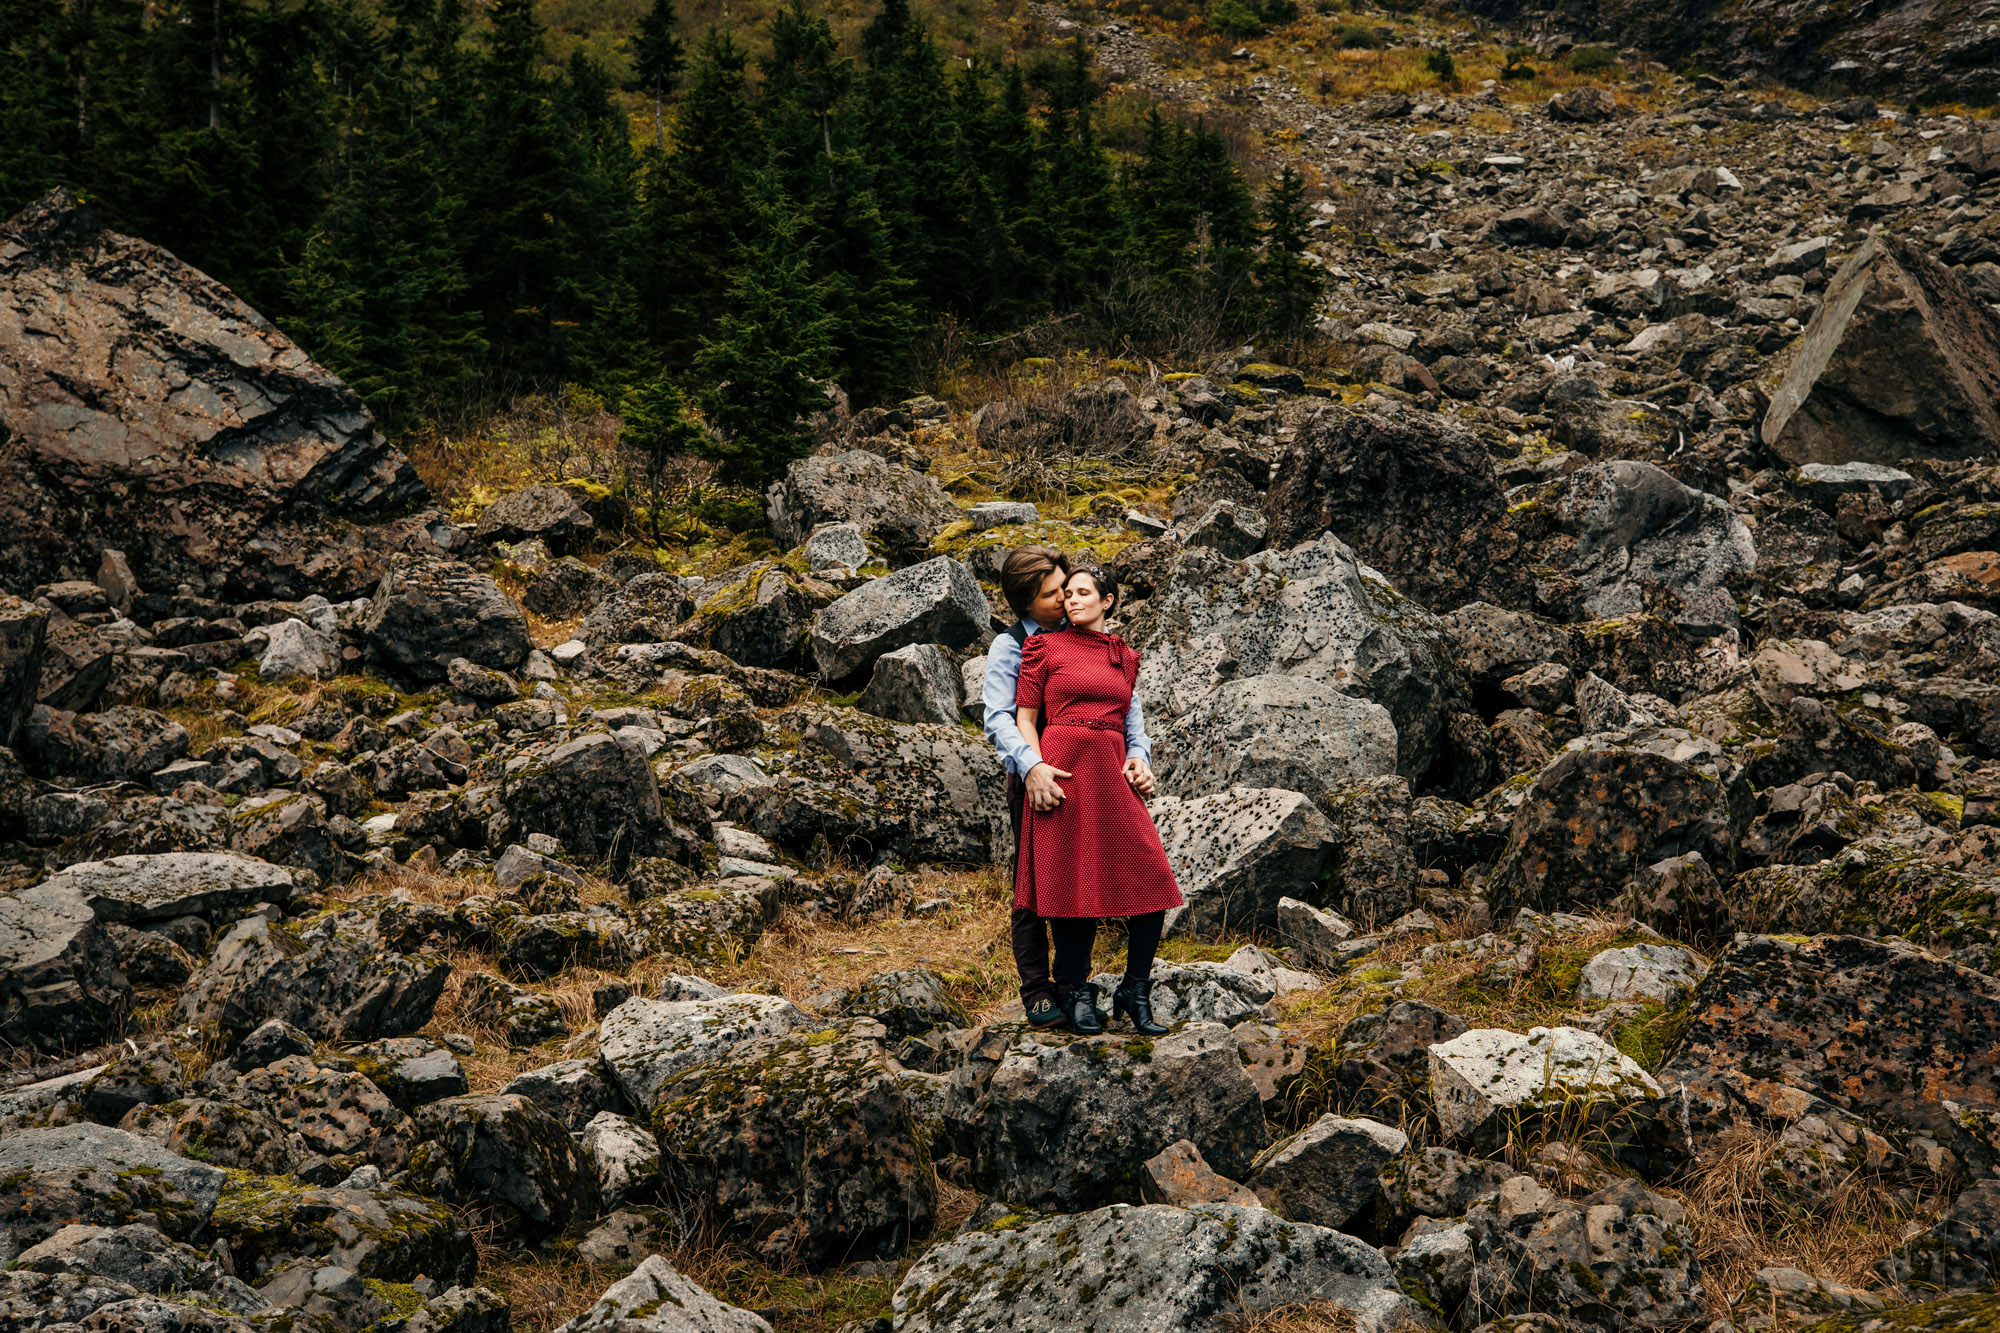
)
(1034, 672)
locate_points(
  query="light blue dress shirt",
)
(1003, 676)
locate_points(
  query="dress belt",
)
(1094, 723)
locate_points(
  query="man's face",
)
(1047, 608)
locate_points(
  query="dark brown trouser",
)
(1030, 933)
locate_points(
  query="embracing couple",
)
(1061, 711)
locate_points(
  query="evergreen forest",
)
(447, 216)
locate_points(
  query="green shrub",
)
(1440, 63)
(1517, 66)
(1593, 60)
(1356, 37)
(1234, 18)
(737, 508)
(1281, 11)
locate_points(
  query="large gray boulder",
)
(548, 512)
(800, 1146)
(1237, 853)
(50, 1178)
(60, 987)
(427, 611)
(1200, 1270)
(1635, 527)
(657, 1298)
(914, 684)
(645, 1043)
(1900, 361)
(1327, 1173)
(646, 610)
(867, 490)
(1485, 1080)
(503, 1150)
(937, 601)
(1312, 612)
(925, 791)
(147, 409)
(1618, 1259)
(24, 631)
(336, 988)
(162, 885)
(1067, 1123)
(1288, 732)
(583, 793)
(760, 617)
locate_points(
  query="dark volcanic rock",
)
(149, 409)
(1902, 361)
(1412, 494)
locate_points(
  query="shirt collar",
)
(1034, 628)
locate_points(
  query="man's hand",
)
(1140, 774)
(1043, 793)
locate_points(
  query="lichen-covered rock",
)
(427, 611)
(1199, 1269)
(625, 1156)
(937, 601)
(645, 1043)
(646, 610)
(1326, 1174)
(120, 744)
(861, 488)
(800, 1145)
(216, 885)
(656, 1298)
(1415, 496)
(1177, 1175)
(1384, 1059)
(1595, 817)
(410, 1071)
(548, 512)
(1237, 853)
(584, 793)
(135, 1254)
(1279, 731)
(221, 1133)
(1482, 1078)
(1615, 1259)
(336, 1114)
(1627, 527)
(60, 987)
(272, 1221)
(1790, 1297)
(23, 640)
(1966, 1313)
(925, 791)
(87, 1173)
(505, 1154)
(1437, 1182)
(1309, 612)
(1201, 992)
(1853, 1052)
(523, 1017)
(1054, 1121)
(1873, 888)
(334, 988)
(542, 944)
(760, 618)
(908, 1003)
(1960, 1253)
(566, 589)
(1662, 973)
(914, 684)
(574, 1092)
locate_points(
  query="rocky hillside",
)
(1932, 50)
(1573, 686)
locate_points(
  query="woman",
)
(1097, 853)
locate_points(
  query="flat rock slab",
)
(1479, 1076)
(50, 1178)
(1145, 1268)
(644, 1043)
(169, 884)
(658, 1298)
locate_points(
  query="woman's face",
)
(1082, 602)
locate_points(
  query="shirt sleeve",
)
(1034, 673)
(1003, 668)
(1138, 745)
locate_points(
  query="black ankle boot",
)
(1081, 1002)
(1134, 998)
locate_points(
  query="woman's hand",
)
(1140, 774)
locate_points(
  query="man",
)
(1032, 579)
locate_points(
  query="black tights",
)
(1073, 936)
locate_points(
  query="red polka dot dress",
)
(1097, 854)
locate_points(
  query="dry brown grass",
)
(1743, 1222)
(1308, 1317)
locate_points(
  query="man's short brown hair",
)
(1025, 570)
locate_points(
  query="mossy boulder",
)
(761, 617)
(506, 1156)
(54, 1176)
(801, 1146)
(586, 793)
(1872, 888)
(271, 1221)
(334, 987)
